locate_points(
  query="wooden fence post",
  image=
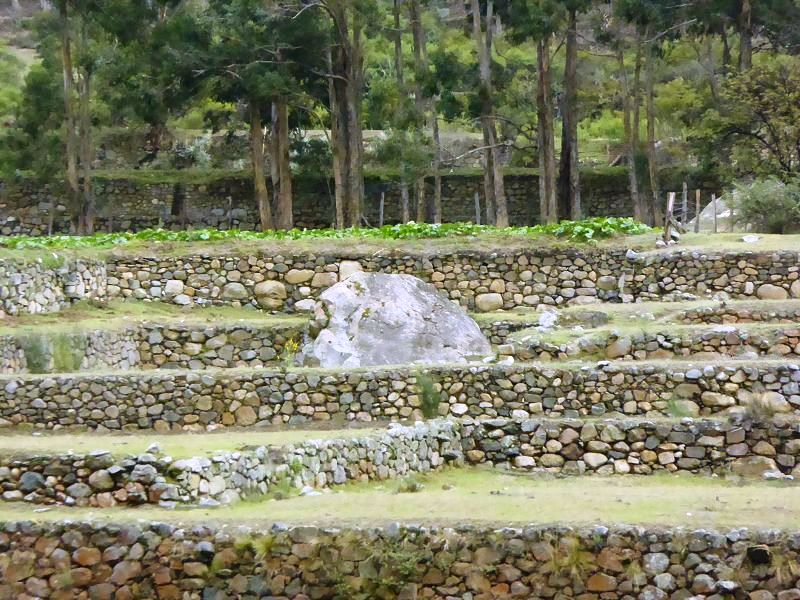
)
(380, 209)
(669, 219)
(477, 209)
(697, 211)
(685, 204)
(714, 206)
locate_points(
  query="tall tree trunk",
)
(630, 149)
(283, 192)
(69, 114)
(420, 67)
(257, 160)
(356, 141)
(496, 208)
(652, 157)
(636, 118)
(726, 49)
(338, 149)
(405, 205)
(398, 44)
(85, 121)
(437, 166)
(544, 97)
(569, 191)
(347, 91)
(746, 36)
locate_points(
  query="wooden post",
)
(685, 204)
(230, 212)
(668, 218)
(380, 209)
(714, 206)
(477, 209)
(697, 211)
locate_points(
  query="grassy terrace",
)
(485, 240)
(625, 318)
(479, 496)
(182, 445)
(118, 314)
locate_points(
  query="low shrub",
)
(766, 205)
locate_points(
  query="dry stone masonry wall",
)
(38, 287)
(623, 446)
(99, 479)
(479, 281)
(170, 562)
(147, 346)
(713, 344)
(567, 447)
(482, 282)
(184, 400)
(124, 205)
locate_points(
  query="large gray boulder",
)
(380, 319)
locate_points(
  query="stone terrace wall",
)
(187, 400)
(98, 479)
(635, 446)
(158, 560)
(713, 344)
(148, 345)
(476, 281)
(125, 205)
(36, 287)
(765, 313)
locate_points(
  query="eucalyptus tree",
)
(252, 57)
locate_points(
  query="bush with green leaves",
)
(585, 231)
(766, 205)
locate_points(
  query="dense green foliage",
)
(767, 205)
(577, 231)
(660, 86)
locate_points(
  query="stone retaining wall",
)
(568, 447)
(193, 401)
(712, 344)
(124, 205)
(636, 446)
(170, 562)
(35, 287)
(478, 281)
(147, 345)
(481, 282)
(766, 313)
(99, 479)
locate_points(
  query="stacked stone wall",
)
(476, 281)
(157, 560)
(184, 400)
(565, 447)
(38, 287)
(125, 205)
(100, 479)
(148, 346)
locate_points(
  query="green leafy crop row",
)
(579, 231)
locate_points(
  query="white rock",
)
(382, 319)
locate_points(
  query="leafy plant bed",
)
(578, 231)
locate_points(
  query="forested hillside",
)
(408, 88)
